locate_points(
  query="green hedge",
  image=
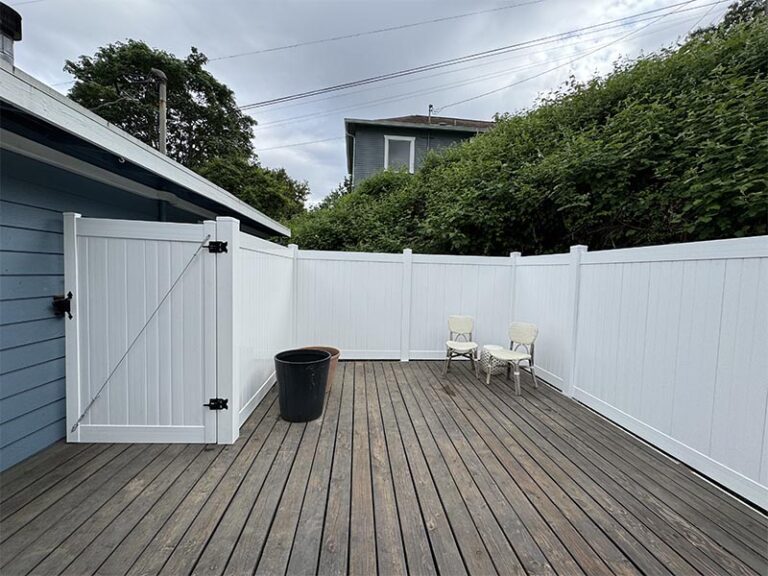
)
(671, 148)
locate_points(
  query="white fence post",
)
(228, 329)
(574, 274)
(294, 294)
(72, 326)
(405, 327)
(513, 256)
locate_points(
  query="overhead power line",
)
(589, 53)
(372, 32)
(438, 88)
(299, 144)
(582, 55)
(619, 22)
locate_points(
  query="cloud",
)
(58, 30)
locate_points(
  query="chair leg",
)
(517, 378)
(533, 375)
(446, 361)
(489, 370)
(474, 363)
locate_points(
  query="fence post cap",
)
(579, 248)
(515, 254)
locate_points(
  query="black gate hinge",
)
(63, 305)
(217, 246)
(218, 404)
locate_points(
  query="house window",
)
(399, 152)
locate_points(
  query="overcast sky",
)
(55, 30)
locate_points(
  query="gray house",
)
(55, 157)
(397, 143)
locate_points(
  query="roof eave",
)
(413, 126)
(41, 101)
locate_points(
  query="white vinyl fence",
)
(395, 306)
(670, 342)
(265, 319)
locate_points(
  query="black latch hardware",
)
(218, 404)
(217, 246)
(63, 305)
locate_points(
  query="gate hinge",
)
(217, 246)
(218, 404)
(63, 305)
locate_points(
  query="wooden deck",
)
(406, 472)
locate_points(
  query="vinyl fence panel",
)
(672, 343)
(351, 301)
(541, 296)
(265, 316)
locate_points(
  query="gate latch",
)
(218, 404)
(63, 305)
(217, 246)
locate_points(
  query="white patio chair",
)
(460, 341)
(522, 336)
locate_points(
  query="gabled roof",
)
(414, 122)
(76, 130)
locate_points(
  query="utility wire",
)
(299, 144)
(372, 32)
(602, 47)
(431, 90)
(472, 66)
(627, 20)
(632, 33)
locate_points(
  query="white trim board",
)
(94, 433)
(255, 400)
(41, 101)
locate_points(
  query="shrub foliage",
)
(670, 148)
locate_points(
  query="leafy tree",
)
(270, 190)
(207, 132)
(204, 121)
(670, 148)
(344, 187)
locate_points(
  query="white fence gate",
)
(142, 336)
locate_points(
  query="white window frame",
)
(412, 159)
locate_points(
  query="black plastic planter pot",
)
(301, 380)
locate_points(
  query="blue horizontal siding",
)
(30, 355)
(32, 367)
(25, 333)
(24, 310)
(30, 377)
(30, 264)
(32, 443)
(368, 158)
(25, 402)
(24, 287)
(13, 238)
(22, 426)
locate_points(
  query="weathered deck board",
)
(407, 471)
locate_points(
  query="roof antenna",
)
(429, 116)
